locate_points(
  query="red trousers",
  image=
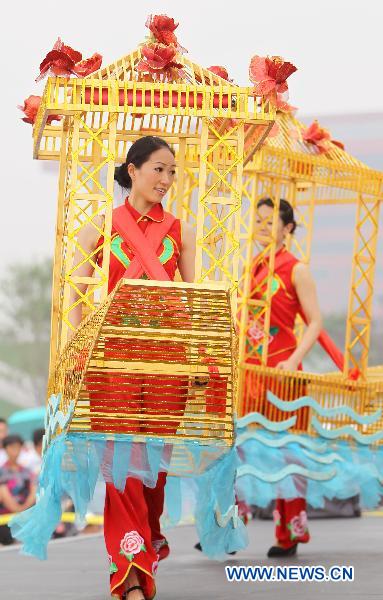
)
(153, 405)
(132, 533)
(290, 520)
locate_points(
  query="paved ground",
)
(76, 569)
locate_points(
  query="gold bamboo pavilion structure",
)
(102, 115)
(288, 167)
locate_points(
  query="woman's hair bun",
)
(286, 211)
(122, 176)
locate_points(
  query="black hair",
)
(37, 436)
(138, 154)
(12, 439)
(2, 420)
(286, 211)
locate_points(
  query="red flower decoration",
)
(88, 66)
(63, 60)
(318, 136)
(30, 109)
(163, 28)
(59, 61)
(269, 75)
(158, 58)
(220, 71)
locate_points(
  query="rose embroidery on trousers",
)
(131, 544)
(298, 525)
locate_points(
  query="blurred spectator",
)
(3, 434)
(37, 437)
(32, 460)
(28, 457)
(17, 489)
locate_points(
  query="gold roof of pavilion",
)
(193, 92)
(288, 155)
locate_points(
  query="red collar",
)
(266, 259)
(156, 213)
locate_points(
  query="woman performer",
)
(293, 293)
(132, 533)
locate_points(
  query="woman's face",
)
(153, 179)
(264, 225)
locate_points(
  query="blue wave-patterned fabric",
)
(340, 470)
(274, 463)
(270, 467)
(74, 462)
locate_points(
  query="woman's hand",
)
(290, 364)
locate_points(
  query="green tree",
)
(25, 292)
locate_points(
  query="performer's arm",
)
(307, 295)
(186, 262)
(87, 239)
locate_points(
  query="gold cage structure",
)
(102, 115)
(288, 167)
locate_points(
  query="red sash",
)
(324, 339)
(144, 245)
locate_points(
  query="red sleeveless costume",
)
(289, 515)
(122, 255)
(132, 518)
(284, 298)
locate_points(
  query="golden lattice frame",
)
(287, 167)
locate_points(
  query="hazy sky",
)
(336, 45)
